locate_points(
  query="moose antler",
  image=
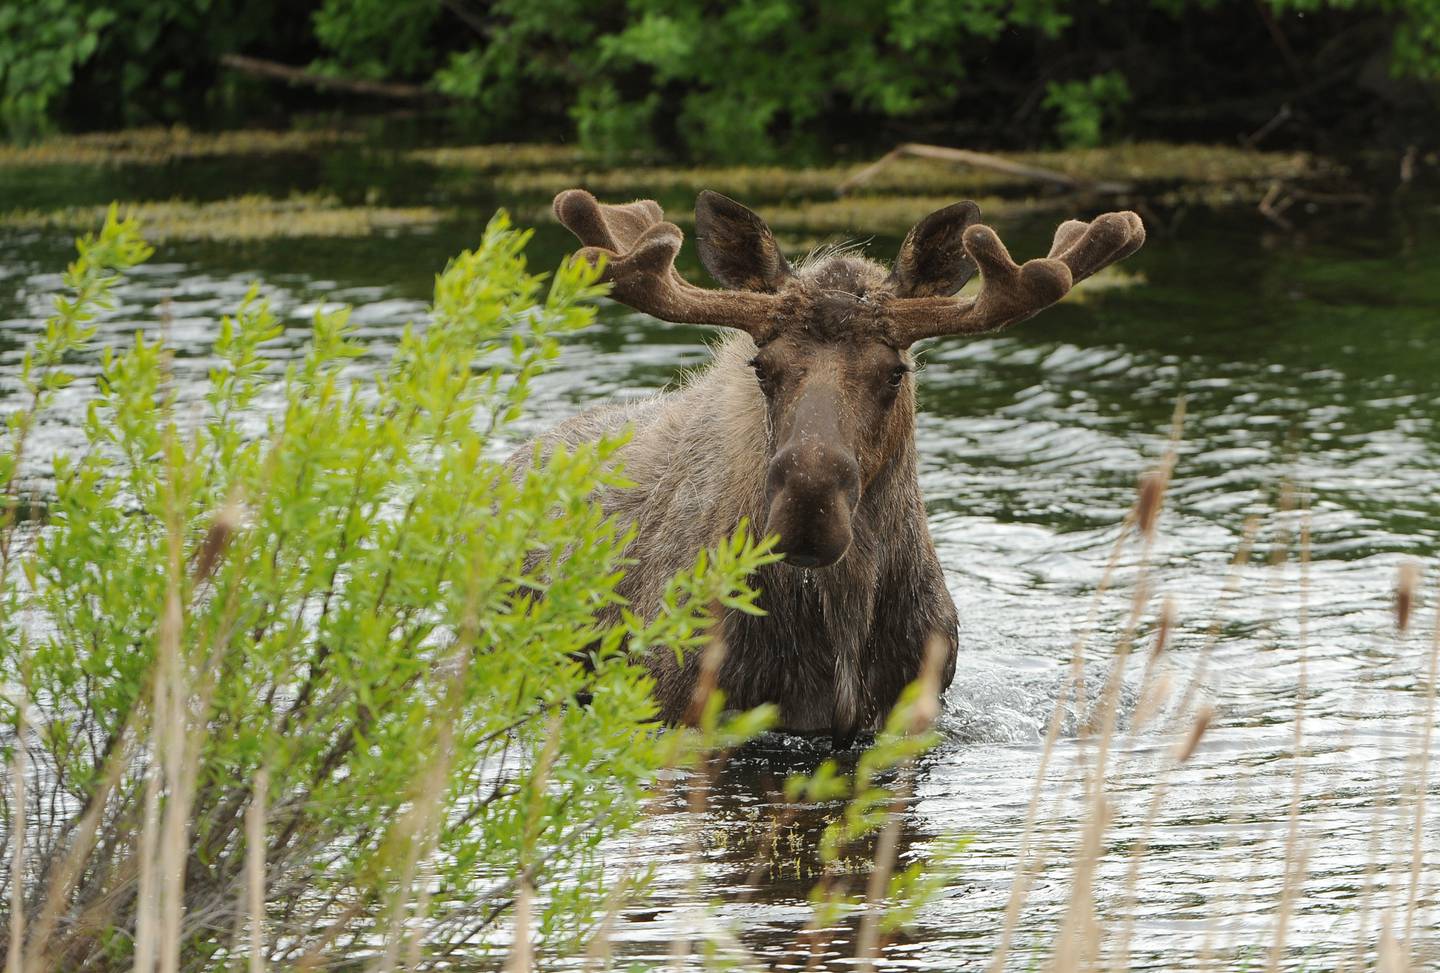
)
(1010, 293)
(639, 249)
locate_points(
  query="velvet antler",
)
(639, 249)
(1010, 293)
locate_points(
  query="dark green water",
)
(1309, 358)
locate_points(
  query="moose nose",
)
(812, 491)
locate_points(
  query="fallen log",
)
(273, 70)
(980, 160)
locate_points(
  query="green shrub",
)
(341, 628)
(1084, 107)
(41, 44)
(731, 81)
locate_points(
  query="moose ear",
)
(932, 260)
(736, 246)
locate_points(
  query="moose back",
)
(804, 424)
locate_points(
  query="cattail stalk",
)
(14, 960)
(1422, 782)
(255, 868)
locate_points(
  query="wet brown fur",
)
(804, 426)
(838, 643)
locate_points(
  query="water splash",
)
(992, 701)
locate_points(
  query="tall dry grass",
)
(1090, 936)
(1088, 941)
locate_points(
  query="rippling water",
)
(1308, 362)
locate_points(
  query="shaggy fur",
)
(803, 425)
(837, 644)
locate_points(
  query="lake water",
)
(1308, 363)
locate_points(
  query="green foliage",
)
(350, 598)
(1417, 40)
(379, 38)
(725, 81)
(1415, 44)
(1084, 107)
(736, 88)
(89, 278)
(41, 44)
(129, 61)
(609, 126)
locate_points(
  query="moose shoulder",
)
(804, 424)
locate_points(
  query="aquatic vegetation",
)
(240, 218)
(885, 215)
(751, 182)
(523, 155)
(1114, 278)
(160, 146)
(1164, 162)
(805, 225)
(809, 213)
(1148, 163)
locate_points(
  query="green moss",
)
(1151, 162)
(874, 215)
(750, 182)
(1112, 278)
(1140, 163)
(157, 146)
(239, 218)
(500, 156)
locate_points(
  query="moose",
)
(804, 425)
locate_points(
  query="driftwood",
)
(261, 68)
(1280, 197)
(980, 160)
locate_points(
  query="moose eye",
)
(898, 375)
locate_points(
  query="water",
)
(1308, 360)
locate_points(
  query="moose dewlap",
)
(804, 424)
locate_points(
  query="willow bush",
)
(305, 685)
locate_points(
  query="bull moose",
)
(804, 424)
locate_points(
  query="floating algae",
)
(518, 155)
(239, 218)
(1154, 162)
(876, 215)
(1138, 163)
(158, 146)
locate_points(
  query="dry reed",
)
(14, 958)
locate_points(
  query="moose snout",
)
(812, 490)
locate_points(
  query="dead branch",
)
(275, 71)
(979, 160)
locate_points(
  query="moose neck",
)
(809, 652)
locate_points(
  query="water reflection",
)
(732, 823)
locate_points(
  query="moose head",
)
(833, 336)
